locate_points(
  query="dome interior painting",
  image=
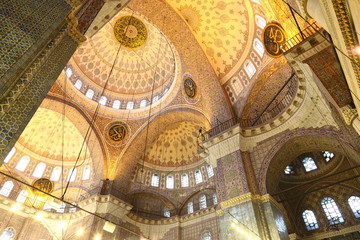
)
(179, 120)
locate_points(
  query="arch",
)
(116, 104)
(184, 180)
(23, 163)
(332, 211)
(7, 188)
(10, 155)
(78, 84)
(86, 173)
(22, 196)
(39, 170)
(310, 220)
(170, 182)
(354, 202)
(155, 180)
(90, 93)
(56, 173)
(294, 143)
(103, 100)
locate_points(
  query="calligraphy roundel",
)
(117, 132)
(273, 38)
(190, 88)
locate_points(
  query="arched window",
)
(210, 171)
(166, 212)
(22, 164)
(103, 100)
(249, 68)
(328, 155)
(190, 207)
(86, 173)
(354, 202)
(8, 234)
(309, 164)
(156, 98)
(6, 188)
(90, 93)
(72, 175)
(310, 220)
(130, 105)
(69, 72)
(39, 170)
(202, 201)
(116, 104)
(61, 208)
(198, 176)
(155, 179)
(237, 86)
(78, 84)
(289, 170)
(215, 200)
(332, 211)
(184, 180)
(56, 173)
(143, 103)
(166, 90)
(72, 209)
(170, 181)
(10, 155)
(22, 196)
(206, 236)
(260, 21)
(259, 47)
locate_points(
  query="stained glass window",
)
(166, 212)
(259, 47)
(260, 21)
(215, 200)
(143, 103)
(10, 155)
(130, 105)
(86, 173)
(354, 202)
(328, 155)
(210, 170)
(289, 169)
(190, 207)
(309, 164)
(332, 211)
(90, 93)
(22, 164)
(56, 173)
(78, 84)
(206, 236)
(155, 180)
(170, 181)
(310, 220)
(184, 180)
(198, 176)
(69, 72)
(202, 202)
(22, 196)
(103, 100)
(249, 68)
(8, 234)
(72, 175)
(39, 170)
(116, 104)
(6, 188)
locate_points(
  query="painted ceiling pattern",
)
(138, 62)
(45, 133)
(176, 146)
(221, 28)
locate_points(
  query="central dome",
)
(138, 55)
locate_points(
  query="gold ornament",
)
(130, 32)
(117, 132)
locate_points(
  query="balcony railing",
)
(221, 127)
(300, 37)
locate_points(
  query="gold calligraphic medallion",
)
(273, 37)
(117, 132)
(43, 184)
(190, 88)
(130, 31)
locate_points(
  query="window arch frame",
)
(130, 105)
(78, 84)
(155, 179)
(310, 220)
(86, 173)
(206, 235)
(309, 164)
(333, 220)
(39, 170)
(260, 21)
(170, 181)
(198, 176)
(261, 50)
(190, 207)
(90, 93)
(167, 212)
(185, 180)
(103, 100)
(354, 205)
(202, 202)
(143, 103)
(210, 171)
(23, 163)
(22, 196)
(71, 175)
(116, 104)
(10, 155)
(4, 237)
(250, 68)
(7, 188)
(56, 174)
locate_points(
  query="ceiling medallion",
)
(130, 32)
(273, 38)
(43, 184)
(117, 132)
(190, 88)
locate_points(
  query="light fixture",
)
(97, 236)
(356, 50)
(109, 227)
(80, 232)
